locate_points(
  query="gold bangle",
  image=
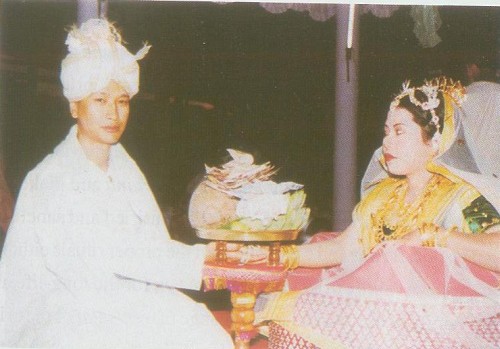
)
(290, 256)
(437, 238)
(431, 240)
(429, 243)
(442, 239)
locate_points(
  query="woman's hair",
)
(424, 117)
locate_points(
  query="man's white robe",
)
(88, 261)
(481, 116)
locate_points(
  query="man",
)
(481, 113)
(88, 261)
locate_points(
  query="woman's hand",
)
(238, 253)
(429, 234)
(252, 254)
(481, 249)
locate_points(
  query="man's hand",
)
(239, 253)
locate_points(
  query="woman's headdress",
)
(96, 56)
(455, 157)
(451, 91)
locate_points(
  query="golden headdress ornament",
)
(431, 89)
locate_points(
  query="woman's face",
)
(102, 116)
(405, 151)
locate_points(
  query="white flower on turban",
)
(96, 56)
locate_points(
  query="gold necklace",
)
(397, 218)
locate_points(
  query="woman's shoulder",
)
(378, 193)
(477, 211)
(464, 191)
(480, 215)
(444, 184)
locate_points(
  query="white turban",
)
(96, 56)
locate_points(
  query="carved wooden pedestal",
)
(245, 281)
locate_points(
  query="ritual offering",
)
(240, 199)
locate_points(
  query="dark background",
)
(270, 77)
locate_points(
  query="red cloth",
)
(379, 305)
(302, 278)
(254, 278)
(427, 262)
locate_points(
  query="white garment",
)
(88, 262)
(481, 120)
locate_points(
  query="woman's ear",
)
(73, 108)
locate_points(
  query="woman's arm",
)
(329, 252)
(482, 249)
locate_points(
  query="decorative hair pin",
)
(431, 89)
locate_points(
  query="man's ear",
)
(73, 108)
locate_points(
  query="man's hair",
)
(486, 64)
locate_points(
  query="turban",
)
(96, 56)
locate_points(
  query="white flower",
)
(265, 187)
(263, 200)
(264, 207)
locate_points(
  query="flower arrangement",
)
(260, 203)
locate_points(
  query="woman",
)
(420, 201)
(88, 261)
(416, 200)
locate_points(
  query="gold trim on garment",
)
(236, 235)
(397, 218)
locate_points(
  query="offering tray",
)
(222, 236)
(245, 281)
(231, 205)
(248, 236)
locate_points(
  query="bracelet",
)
(290, 256)
(442, 239)
(428, 238)
(436, 239)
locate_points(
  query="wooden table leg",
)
(220, 252)
(242, 317)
